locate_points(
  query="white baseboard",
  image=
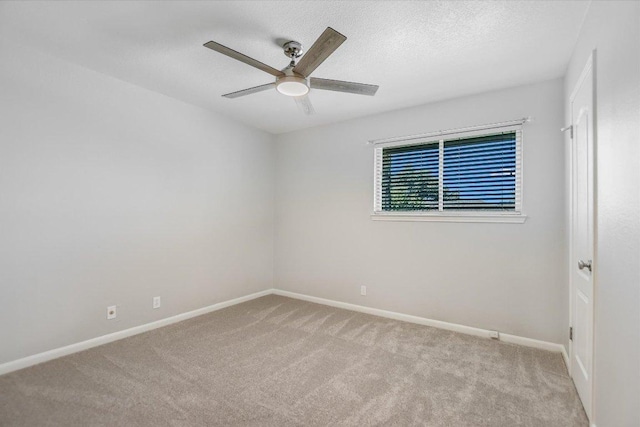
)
(94, 342)
(565, 356)
(25, 362)
(514, 339)
(528, 342)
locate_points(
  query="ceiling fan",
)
(294, 80)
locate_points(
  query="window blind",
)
(410, 178)
(479, 173)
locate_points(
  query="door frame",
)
(590, 65)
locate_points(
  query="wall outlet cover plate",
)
(111, 312)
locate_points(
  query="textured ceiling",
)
(418, 52)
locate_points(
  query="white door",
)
(582, 235)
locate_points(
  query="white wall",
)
(613, 29)
(112, 194)
(506, 277)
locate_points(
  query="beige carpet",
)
(280, 362)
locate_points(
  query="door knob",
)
(584, 264)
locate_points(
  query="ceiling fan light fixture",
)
(292, 86)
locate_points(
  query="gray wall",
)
(112, 194)
(613, 29)
(506, 277)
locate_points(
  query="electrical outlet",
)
(494, 335)
(363, 290)
(111, 312)
(156, 302)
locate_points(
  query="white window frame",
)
(517, 216)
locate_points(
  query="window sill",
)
(449, 217)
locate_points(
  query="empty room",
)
(320, 213)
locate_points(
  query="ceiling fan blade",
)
(243, 58)
(304, 104)
(249, 91)
(342, 86)
(326, 44)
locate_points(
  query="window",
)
(468, 176)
